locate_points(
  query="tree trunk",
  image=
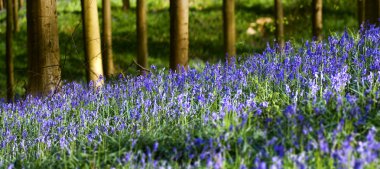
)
(44, 73)
(229, 28)
(179, 34)
(1, 5)
(361, 10)
(126, 5)
(372, 11)
(142, 36)
(21, 3)
(279, 19)
(9, 52)
(15, 16)
(317, 19)
(109, 68)
(91, 35)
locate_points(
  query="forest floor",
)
(311, 105)
(206, 38)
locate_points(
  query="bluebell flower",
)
(155, 146)
(280, 150)
(290, 110)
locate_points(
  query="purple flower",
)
(63, 142)
(155, 146)
(264, 104)
(340, 80)
(11, 166)
(290, 110)
(280, 150)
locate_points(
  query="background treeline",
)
(254, 23)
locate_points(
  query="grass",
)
(205, 33)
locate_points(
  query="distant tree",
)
(16, 27)
(21, 3)
(372, 11)
(9, 52)
(91, 35)
(279, 21)
(317, 19)
(179, 34)
(1, 5)
(229, 28)
(44, 73)
(126, 5)
(361, 10)
(142, 36)
(109, 68)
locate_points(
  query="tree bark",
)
(179, 34)
(91, 35)
(229, 28)
(9, 52)
(44, 73)
(279, 20)
(372, 11)
(126, 5)
(361, 10)
(109, 68)
(15, 16)
(317, 19)
(142, 36)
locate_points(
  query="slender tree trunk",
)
(44, 73)
(91, 35)
(179, 34)
(279, 19)
(15, 16)
(1, 5)
(369, 13)
(361, 10)
(4, 3)
(317, 19)
(142, 36)
(229, 28)
(9, 52)
(372, 11)
(21, 3)
(109, 68)
(378, 11)
(126, 5)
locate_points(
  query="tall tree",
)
(91, 35)
(229, 28)
(142, 36)
(179, 34)
(317, 19)
(279, 20)
(9, 52)
(1, 5)
(372, 11)
(44, 73)
(126, 5)
(361, 10)
(15, 16)
(21, 3)
(109, 68)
